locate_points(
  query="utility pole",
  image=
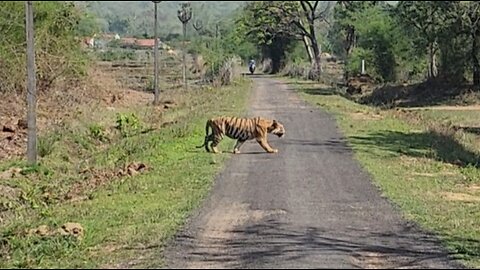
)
(184, 15)
(216, 50)
(31, 87)
(155, 55)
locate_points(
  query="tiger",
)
(241, 129)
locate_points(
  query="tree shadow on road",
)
(333, 145)
(272, 241)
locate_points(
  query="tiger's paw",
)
(236, 151)
(273, 151)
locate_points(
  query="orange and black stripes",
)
(240, 129)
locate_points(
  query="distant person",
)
(251, 66)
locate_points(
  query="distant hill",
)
(137, 17)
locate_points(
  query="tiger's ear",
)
(274, 121)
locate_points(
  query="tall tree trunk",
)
(475, 62)
(317, 63)
(316, 50)
(308, 47)
(349, 45)
(432, 65)
(350, 40)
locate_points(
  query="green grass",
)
(127, 218)
(431, 172)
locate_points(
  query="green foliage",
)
(374, 28)
(435, 26)
(354, 63)
(87, 24)
(128, 124)
(58, 52)
(136, 18)
(402, 42)
(297, 53)
(116, 55)
(241, 46)
(342, 33)
(265, 24)
(46, 143)
(97, 132)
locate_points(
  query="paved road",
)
(309, 206)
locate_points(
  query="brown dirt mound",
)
(69, 228)
(360, 84)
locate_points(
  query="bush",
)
(354, 64)
(128, 124)
(97, 132)
(58, 51)
(46, 143)
(297, 53)
(116, 55)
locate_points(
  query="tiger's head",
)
(277, 129)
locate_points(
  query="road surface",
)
(309, 206)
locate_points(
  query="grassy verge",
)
(429, 170)
(126, 218)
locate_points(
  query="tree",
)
(471, 22)
(428, 18)
(87, 26)
(375, 43)
(266, 25)
(58, 51)
(304, 18)
(345, 21)
(118, 25)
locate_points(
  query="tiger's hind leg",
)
(215, 149)
(207, 140)
(216, 140)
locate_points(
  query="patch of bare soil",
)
(462, 197)
(60, 104)
(365, 116)
(69, 228)
(96, 178)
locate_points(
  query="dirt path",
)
(309, 206)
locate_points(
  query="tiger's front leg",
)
(236, 149)
(264, 144)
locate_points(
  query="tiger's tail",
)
(205, 142)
